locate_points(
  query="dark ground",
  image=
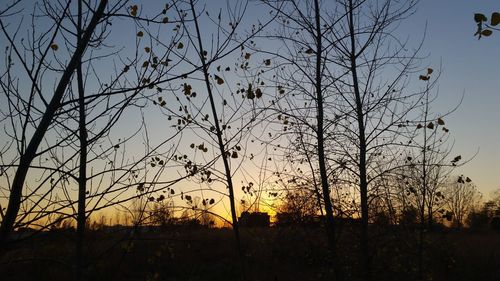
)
(288, 253)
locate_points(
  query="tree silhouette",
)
(70, 135)
(302, 82)
(461, 196)
(30, 152)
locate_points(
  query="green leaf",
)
(478, 17)
(180, 45)
(486, 32)
(495, 18)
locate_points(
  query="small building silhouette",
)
(255, 219)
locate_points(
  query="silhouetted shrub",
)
(289, 219)
(478, 220)
(495, 223)
(256, 219)
(381, 218)
(286, 219)
(408, 216)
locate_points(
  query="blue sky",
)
(469, 68)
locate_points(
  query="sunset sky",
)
(468, 69)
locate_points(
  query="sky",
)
(468, 75)
(468, 78)
(469, 69)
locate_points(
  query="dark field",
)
(288, 253)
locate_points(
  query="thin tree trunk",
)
(220, 143)
(330, 222)
(363, 182)
(430, 219)
(320, 130)
(82, 177)
(424, 195)
(317, 191)
(30, 153)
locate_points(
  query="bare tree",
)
(426, 166)
(215, 116)
(304, 98)
(375, 101)
(29, 152)
(61, 140)
(461, 196)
